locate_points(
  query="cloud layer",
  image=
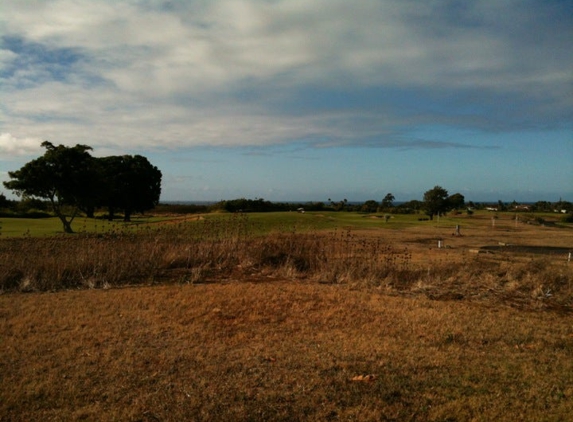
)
(148, 74)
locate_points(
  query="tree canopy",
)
(388, 201)
(369, 206)
(435, 201)
(133, 184)
(456, 201)
(60, 176)
(72, 180)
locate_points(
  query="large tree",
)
(456, 201)
(131, 184)
(435, 201)
(388, 201)
(62, 175)
(369, 206)
(72, 180)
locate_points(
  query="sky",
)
(299, 100)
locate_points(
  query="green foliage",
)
(3, 201)
(60, 176)
(388, 201)
(543, 206)
(563, 205)
(369, 206)
(246, 205)
(31, 204)
(410, 207)
(456, 201)
(131, 184)
(70, 179)
(261, 205)
(340, 205)
(501, 206)
(435, 201)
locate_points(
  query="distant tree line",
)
(70, 179)
(436, 201)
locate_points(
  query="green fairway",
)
(262, 222)
(14, 227)
(258, 222)
(321, 220)
(37, 227)
(354, 220)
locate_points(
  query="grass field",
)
(278, 351)
(286, 316)
(15, 227)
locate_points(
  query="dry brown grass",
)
(405, 261)
(228, 324)
(278, 351)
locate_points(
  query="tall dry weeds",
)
(211, 249)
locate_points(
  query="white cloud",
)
(224, 42)
(148, 75)
(12, 146)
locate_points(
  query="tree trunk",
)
(67, 224)
(58, 211)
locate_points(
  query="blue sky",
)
(299, 99)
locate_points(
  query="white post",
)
(440, 245)
(569, 257)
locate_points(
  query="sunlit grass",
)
(285, 316)
(276, 221)
(278, 351)
(11, 227)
